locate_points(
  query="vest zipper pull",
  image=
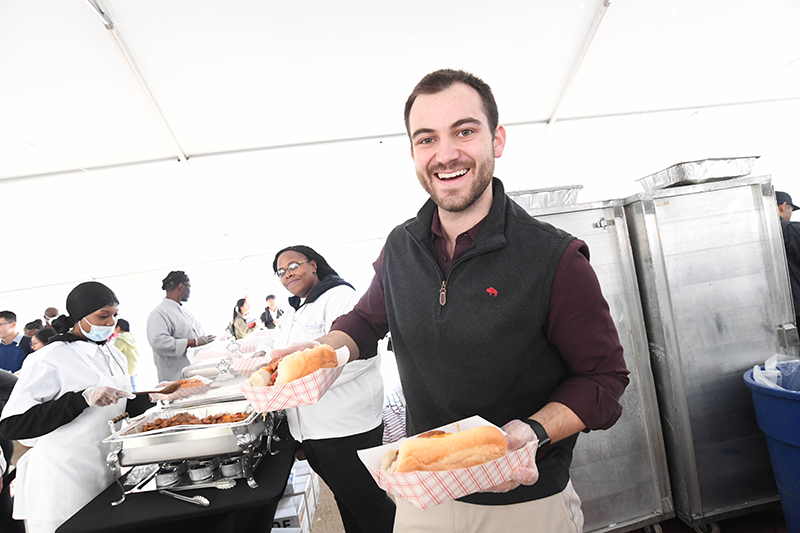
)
(443, 294)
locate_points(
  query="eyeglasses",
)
(291, 267)
(7, 323)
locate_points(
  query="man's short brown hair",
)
(438, 81)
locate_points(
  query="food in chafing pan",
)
(186, 419)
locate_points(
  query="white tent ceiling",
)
(206, 135)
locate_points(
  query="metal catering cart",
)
(619, 474)
(715, 292)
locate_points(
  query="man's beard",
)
(455, 203)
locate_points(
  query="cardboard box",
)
(291, 512)
(301, 468)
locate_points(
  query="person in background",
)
(172, 330)
(41, 338)
(791, 241)
(348, 418)
(241, 328)
(50, 314)
(271, 313)
(543, 358)
(32, 327)
(14, 347)
(65, 396)
(126, 344)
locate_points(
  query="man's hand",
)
(102, 396)
(204, 339)
(518, 434)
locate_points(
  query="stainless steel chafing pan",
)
(136, 447)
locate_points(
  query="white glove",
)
(291, 348)
(101, 396)
(204, 339)
(518, 434)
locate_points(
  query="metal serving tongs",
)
(197, 500)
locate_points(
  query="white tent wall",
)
(205, 136)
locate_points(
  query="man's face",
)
(452, 146)
(186, 289)
(7, 328)
(785, 211)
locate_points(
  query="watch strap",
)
(541, 433)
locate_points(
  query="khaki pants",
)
(560, 513)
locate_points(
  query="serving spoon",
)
(169, 389)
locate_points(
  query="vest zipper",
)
(443, 293)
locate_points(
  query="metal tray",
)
(549, 197)
(693, 172)
(185, 442)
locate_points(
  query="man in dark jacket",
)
(542, 358)
(14, 347)
(791, 240)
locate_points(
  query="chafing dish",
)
(131, 445)
(186, 442)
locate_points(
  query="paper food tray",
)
(182, 392)
(247, 365)
(303, 391)
(426, 489)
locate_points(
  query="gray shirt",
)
(169, 328)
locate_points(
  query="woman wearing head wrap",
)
(66, 393)
(349, 417)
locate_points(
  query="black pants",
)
(365, 507)
(8, 524)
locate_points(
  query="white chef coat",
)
(67, 467)
(169, 328)
(354, 403)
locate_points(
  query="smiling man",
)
(491, 313)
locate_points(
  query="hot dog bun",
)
(448, 451)
(300, 364)
(261, 377)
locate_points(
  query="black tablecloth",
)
(236, 509)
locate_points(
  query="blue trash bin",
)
(778, 416)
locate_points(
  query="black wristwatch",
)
(541, 434)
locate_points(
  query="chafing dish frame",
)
(130, 446)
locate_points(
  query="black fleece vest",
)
(484, 351)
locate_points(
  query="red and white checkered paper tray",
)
(247, 365)
(183, 392)
(304, 391)
(426, 489)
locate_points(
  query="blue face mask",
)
(98, 333)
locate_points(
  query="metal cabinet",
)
(716, 299)
(620, 474)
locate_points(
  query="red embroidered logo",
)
(492, 292)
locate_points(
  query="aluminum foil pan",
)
(550, 197)
(186, 442)
(693, 172)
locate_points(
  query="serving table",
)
(240, 508)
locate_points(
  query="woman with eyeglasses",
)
(349, 416)
(65, 396)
